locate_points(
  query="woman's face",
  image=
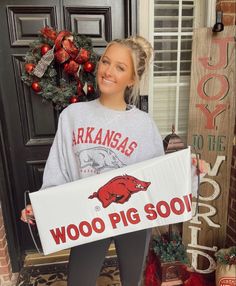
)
(115, 71)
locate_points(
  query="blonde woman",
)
(101, 135)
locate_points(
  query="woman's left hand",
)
(201, 165)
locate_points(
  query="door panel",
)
(38, 126)
(25, 22)
(28, 124)
(101, 20)
(90, 21)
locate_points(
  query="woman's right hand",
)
(27, 214)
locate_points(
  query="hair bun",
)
(145, 46)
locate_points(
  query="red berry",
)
(90, 88)
(44, 49)
(89, 67)
(74, 99)
(29, 67)
(83, 56)
(36, 86)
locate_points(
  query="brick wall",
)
(229, 18)
(229, 11)
(231, 223)
(7, 278)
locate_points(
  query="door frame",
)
(6, 200)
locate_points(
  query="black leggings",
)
(86, 260)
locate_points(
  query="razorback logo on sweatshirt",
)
(108, 138)
(119, 190)
(99, 158)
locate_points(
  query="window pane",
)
(164, 108)
(172, 2)
(183, 108)
(185, 67)
(187, 24)
(165, 55)
(186, 42)
(164, 112)
(187, 11)
(173, 26)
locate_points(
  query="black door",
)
(27, 126)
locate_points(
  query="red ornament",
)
(89, 67)
(71, 67)
(36, 86)
(83, 56)
(90, 89)
(45, 48)
(29, 67)
(79, 87)
(74, 99)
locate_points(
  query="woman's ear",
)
(131, 84)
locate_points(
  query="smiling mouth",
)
(107, 81)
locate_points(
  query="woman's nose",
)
(109, 70)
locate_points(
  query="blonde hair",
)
(141, 53)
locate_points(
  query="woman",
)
(101, 135)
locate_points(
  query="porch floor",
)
(56, 274)
(52, 270)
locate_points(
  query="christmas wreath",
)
(60, 67)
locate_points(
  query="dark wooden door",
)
(28, 126)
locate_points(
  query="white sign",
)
(144, 195)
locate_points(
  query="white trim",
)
(178, 67)
(145, 29)
(172, 33)
(151, 39)
(211, 13)
(171, 84)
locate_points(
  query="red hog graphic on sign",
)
(119, 190)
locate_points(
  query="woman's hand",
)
(27, 214)
(199, 168)
(203, 166)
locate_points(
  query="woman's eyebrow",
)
(121, 63)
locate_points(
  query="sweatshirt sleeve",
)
(55, 170)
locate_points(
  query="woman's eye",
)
(120, 68)
(105, 61)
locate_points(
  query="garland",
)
(226, 256)
(60, 67)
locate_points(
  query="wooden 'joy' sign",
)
(211, 131)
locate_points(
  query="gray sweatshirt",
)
(92, 139)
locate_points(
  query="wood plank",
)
(211, 131)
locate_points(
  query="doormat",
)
(56, 274)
